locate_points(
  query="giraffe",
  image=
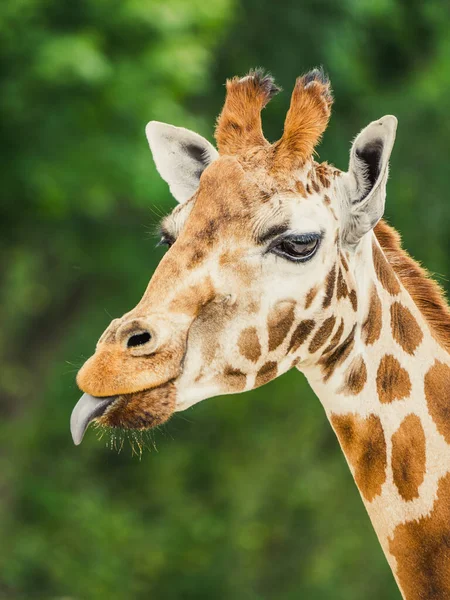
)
(276, 261)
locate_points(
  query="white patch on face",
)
(310, 216)
(188, 395)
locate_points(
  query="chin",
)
(136, 411)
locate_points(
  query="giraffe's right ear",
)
(365, 182)
(180, 156)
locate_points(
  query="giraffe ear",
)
(180, 156)
(365, 182)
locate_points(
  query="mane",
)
(427, 294)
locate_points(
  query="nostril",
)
(139, 339)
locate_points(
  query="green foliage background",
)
(247, 497)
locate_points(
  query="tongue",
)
(86, 409)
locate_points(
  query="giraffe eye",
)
(297, 249)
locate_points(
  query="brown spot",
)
(322, 334)
(344, 261)
(310, 296)
(408, 457)
(393, 381)
(196, 258)
(323, 173)
(327, 200)
(342, 289)
(426, 293)
(329, 361)
(336, 338)
(355, 377)
(300, 334)
(354, 300)
(422, 550)
(329, 287)
(405, 328)
(437, 393)
(315, 186)
(385, 273)
(364, 445)
(371, 327)
(234, 379)
(249, 345)
(279, 322)
(267, 372)
(308, 189)
(300, 188)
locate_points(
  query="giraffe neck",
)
(389, 405)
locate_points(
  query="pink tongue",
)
(86, 410)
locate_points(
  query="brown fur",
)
(336, 338)
(310, 297)
(342, 288)
(301, 189)
(409, 457)
(364, 445)
(239, 124)
(194, 298)
(213, 319)
(329, 287)
(324, 173)
(305, 122)
(279, 322)
(322, 334)
(426, 293)
(343, 261)
(353, 300)
(337, 356)
(141, 410)
(371, 328)
(301, 334)
(267, 372)
(235, 379)
(355, 377)
(422, 550)
(393, 381)
(405, 329)
(385, 274)
(249, 345)
(437, 393)
(105, 373)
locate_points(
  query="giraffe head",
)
(256, 278)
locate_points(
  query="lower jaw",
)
(138, 410)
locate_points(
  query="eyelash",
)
(285, 247)
(280, 246)
(165, 241)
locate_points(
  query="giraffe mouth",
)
(87, 409)
(137, 410)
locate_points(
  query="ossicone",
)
(239, 124)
